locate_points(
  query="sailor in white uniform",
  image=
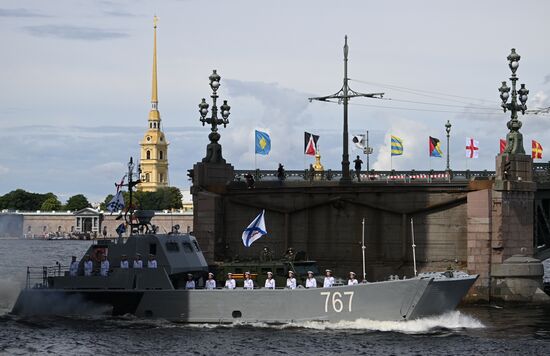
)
(152, 263)
(329, 279)
(291, 281)
(138, 263)
(88, 266)
(248, 283)
(104, 267)
(270, 282)
(123, 261)
(210, 282)
(352, 281)
(310, 281)
(190, 284)
(230, 282)
(73, 269)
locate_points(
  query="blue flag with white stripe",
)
(255, 230)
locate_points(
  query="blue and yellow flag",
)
(434, 147)
(263, 143)
(396, 146)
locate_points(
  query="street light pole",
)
(514, 139)
(214, 149)
(343, 96)
(448, 130)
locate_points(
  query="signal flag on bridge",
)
(502, 146)
(472, 148)
(262, 143)
(435, 149)
(536, 150)
(310, 143)
(396, 146)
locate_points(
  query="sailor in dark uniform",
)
(190, 284)
(248, 283)
(73, 269)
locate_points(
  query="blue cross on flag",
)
(255, 230)
(117, 203)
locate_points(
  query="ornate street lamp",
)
(214, 149)
(448, 130)
(514, 139)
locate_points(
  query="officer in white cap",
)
(230, 282)
(269, 282)
(329, 279)
(73, 269)
(291, 281)
(352, 280)
(210, 282)
(248, 282)
(311, 282)
(190, 284)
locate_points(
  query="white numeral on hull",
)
(337, 303)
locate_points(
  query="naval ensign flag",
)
(255, 230)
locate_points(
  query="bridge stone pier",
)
(473, 221)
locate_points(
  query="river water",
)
(471, 330)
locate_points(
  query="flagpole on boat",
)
(413, 246)
(363, 248)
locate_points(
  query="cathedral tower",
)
(154, 147)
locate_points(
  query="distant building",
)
(154, 147)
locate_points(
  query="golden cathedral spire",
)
(154, 147)
(154, 95)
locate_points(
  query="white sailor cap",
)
(211, 274)
(247, 272)
(270, 273)
(328, 271)
(291, 272)
(352, 273)
(189, 274)
(229, 273)
(309, 272)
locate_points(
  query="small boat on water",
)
(160, 292)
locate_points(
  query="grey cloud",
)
(74, 32)
(20, 13)
(546, 79)
(118, 13)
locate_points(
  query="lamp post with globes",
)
(514, 139)
(214, 149)
(448, 130)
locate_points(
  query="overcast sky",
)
(76, 78)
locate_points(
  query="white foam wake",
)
(451, 320)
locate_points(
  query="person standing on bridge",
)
(358, 164)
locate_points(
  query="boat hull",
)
(389, 300)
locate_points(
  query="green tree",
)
(50, 204)
(77, 202)
(20, 199)
(163, 198)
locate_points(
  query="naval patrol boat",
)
(160, 292)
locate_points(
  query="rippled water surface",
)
(472, 330)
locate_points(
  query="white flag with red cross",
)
(472, 148)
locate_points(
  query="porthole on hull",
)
(236, 314)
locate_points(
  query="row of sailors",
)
(104, 265)
(230, 283)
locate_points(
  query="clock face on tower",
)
(148, 138)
